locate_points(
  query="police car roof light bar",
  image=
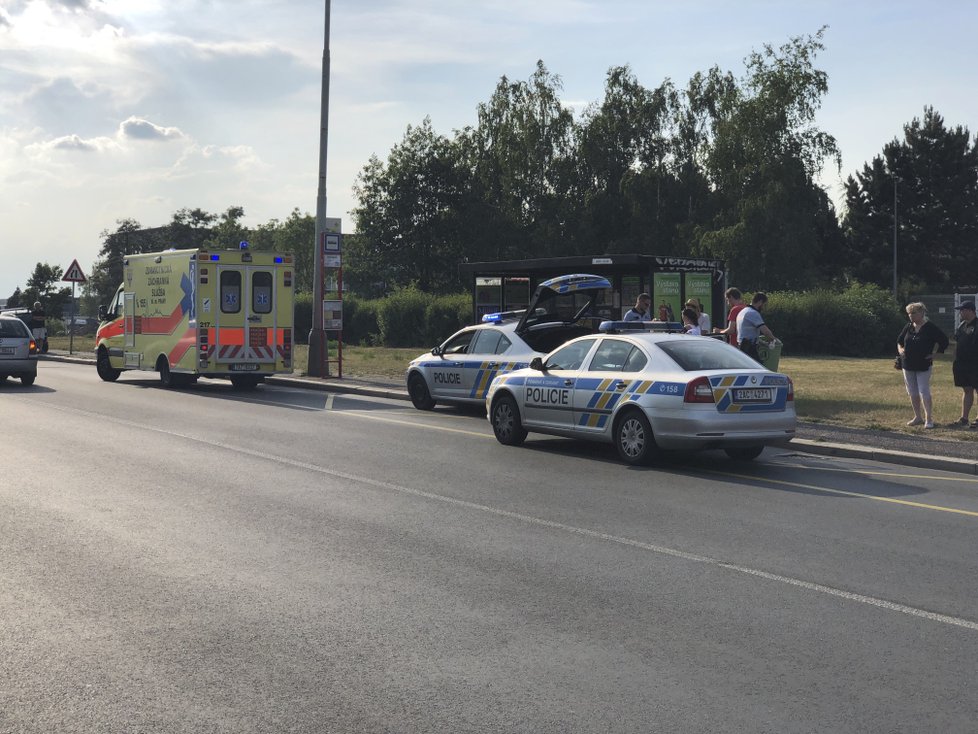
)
(500, 316)
(668, 327)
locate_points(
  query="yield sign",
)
(74, 273)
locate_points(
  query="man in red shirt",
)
(735, 300)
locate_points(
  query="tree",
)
(935, 172)
(190, 228)
(44, 285)
(408, 214)
(229, 232)
(764, 154)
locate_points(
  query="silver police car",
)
(646, 388)
(461, 369)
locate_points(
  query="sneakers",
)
(974, 426)
(915, 422)
(929, 424)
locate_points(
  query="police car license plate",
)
(244, 367)
(752, 395)
(6, 350)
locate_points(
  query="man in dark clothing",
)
(965, 366)
(37, 316)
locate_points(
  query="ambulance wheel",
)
(167, 377)
(748, 454)
(634, 439)
(420, 395)
(244, 382)
(506, 423)
(104, 368)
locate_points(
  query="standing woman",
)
(916, 348)
(702, 318)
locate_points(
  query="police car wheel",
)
(633, 438)
(27, 379)
(748, 454)
(420, 395)
(506, 423)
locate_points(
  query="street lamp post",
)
(318, 366)
(895, 180)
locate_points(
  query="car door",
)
(605, 382)
(485, 360)
(245, 321)
(548, 397)
(446, 373)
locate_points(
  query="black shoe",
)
(960, 423)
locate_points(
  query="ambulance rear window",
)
(230, 291)
(261, 292)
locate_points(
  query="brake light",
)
(699, 391)
(791, 390)
(32, 347)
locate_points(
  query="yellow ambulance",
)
(200, 313)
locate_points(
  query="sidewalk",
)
(914, 450)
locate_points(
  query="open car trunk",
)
(561, 309)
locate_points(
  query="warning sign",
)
(74, 273)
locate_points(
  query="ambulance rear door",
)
(245, 328)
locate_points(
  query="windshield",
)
(693, 354)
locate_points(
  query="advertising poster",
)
(666, 297)
(700, 287)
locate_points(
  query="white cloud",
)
(135, 128)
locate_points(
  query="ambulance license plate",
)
(244, 367)
(752, 395)
(6, 350)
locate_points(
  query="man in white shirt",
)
(641, 311)
(750, 325)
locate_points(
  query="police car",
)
(646, 388)
(461, 369)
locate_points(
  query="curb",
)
(808, 446)
(886, 456)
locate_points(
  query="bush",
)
(402, 317)
(445, 315)
(303, 317)
(862, 321)
(361, 321)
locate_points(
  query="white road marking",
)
(544, 523)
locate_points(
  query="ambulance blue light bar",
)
(278, 260)
(215, 257)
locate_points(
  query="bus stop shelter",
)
(508, 284)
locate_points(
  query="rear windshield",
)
(13, 327)
(705, 353)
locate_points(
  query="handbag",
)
(897, 363)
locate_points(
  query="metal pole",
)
(895, 237)
(318, 366)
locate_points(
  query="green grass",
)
(869, 393)
(859, 393)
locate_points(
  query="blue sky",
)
(136, 108)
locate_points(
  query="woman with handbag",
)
(915, 347)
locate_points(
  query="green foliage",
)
(401, 317)
(931, 178)
(361, 320)
(862, 321)
(303, 317)
(444, 316)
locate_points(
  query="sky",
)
(115, 109)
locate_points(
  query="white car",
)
(644, 390)
(461, 369)
(18, 351)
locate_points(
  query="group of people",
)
(745, 324)
(695, 320)
(916, 346)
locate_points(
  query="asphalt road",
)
(293, 561)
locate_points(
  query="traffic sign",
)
(74, 273)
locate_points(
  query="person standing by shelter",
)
(735, 300)
(916, 348)
(690, 325)
(641, 311)
(965, 365)
(750, 325)
(702, 318)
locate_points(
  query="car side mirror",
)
(537, 364)
(102, 312)
(437, 351)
